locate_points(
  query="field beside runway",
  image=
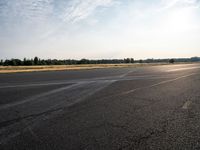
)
(15, 69)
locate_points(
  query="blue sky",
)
(97, 29)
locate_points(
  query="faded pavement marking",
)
(157, 84)
(187, 104)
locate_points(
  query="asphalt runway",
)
(144, 108)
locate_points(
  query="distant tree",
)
(132, 60)
(42, 62)
(6, 62)
(17, 62)
(127, 60)
(140, 61)
(84, 61)
(171, 61)
(28, 62)
(150, 60)
(36, 61)
(39, 62)
(195, 59)
(24, 61)
(13, 62)
(1, 62)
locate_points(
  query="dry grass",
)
(14, 69)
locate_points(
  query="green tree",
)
(36, 61)
(28, 62)
(171, 61)
(84, 61)
(1, 62)
(127, 60)
(132, 60)
(24, 62)
(140, 61)
(13, 62)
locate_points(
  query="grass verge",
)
(15, 69)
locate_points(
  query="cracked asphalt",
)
(144, 108)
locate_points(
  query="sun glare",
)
(180, 20)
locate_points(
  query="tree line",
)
(38, 61)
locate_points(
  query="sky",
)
(96, 29)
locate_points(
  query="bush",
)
(171, 61)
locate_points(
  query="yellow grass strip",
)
(14, 69)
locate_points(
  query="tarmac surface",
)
(144, 108)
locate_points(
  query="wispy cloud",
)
(26, 10)
(46, 17)
(167, 4)
(80, 9)
(70, 11)
(75, 11)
